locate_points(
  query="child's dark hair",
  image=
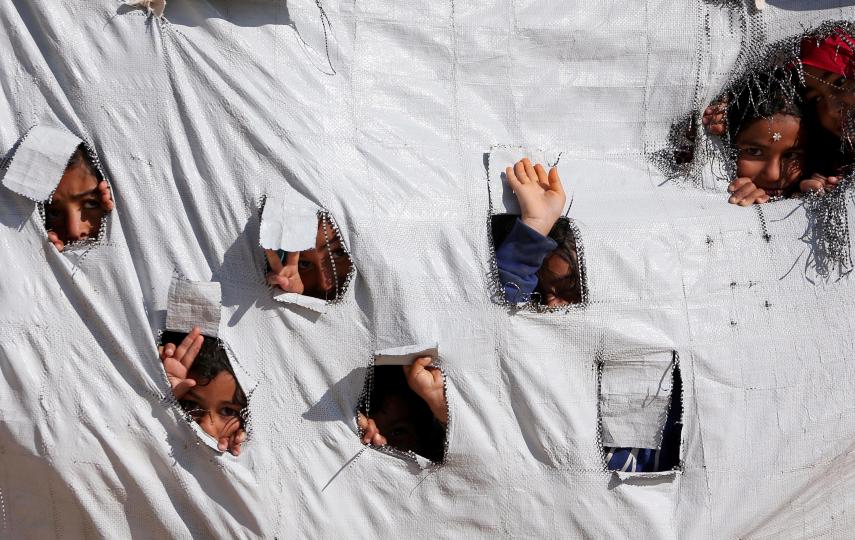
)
(82, 157)
(210, 362)
(763, 96)
(563, 235)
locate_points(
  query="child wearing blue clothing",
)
(538, 255)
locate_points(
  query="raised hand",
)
(745, 193)
(819, 183)
(178, 360)
(715, 118)
(287, 276)
(427, 381)
(370, 431)
(541, 195)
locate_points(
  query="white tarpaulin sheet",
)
(381, 112)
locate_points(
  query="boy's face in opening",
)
(75, 211)
(316, 268)
(831, 94)
(395, 422)
(212, 405)
(556, 281)
(773, 165)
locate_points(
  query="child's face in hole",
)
(75, 210)
(316, 265)
(773, 165)
(395, 420)
(831, 94)
(212, 404)
(555, 281)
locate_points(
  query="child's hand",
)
(232, 437)
(541, 196)
(106, 196)
(54, 239)
(745, 193)
(427, 381)
(287, 276)
(715, 118)
(370, 431)
(178, 360)
(819, 183)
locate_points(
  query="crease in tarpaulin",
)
(153, 7)
(404, 356)
(635, 396)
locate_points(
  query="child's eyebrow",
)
(85, 193)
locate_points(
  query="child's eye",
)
(751, 151)
(91, 204)
(794, 155)
(192, 409)
(304, 265)
(228, 412)
(339, 253)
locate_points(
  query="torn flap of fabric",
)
(635, 393)
(502, 197)
(154, 7)
(317, 305)
(289, 222)
(194, 303)
(40, 161)
(404, 356)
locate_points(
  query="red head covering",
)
(833, 53)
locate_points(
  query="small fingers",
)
(513, 181)
(106, 195)
(738, 183)
(167, 351)
(520, 172)
(183, 386)
(53, 238)
(273, 260)
(529, 170)
(812, 185)
(541, 175)
(555, 181)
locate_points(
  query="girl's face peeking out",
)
(771, 153)
(75, 210)
(326, 266)
(831, 94)
(557, 282)
(212, 404)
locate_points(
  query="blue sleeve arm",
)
(519, 258)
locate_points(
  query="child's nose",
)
(772, 171)
(76, 228)
(210, 425)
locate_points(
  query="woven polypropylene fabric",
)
(381, 112)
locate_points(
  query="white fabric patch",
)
(155, 7)
(194, 303)
(309, 302)
(404, 356)
(502, 197)
(40, 161)
(289, 223)
(635, 393)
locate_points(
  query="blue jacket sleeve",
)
(519, 258)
